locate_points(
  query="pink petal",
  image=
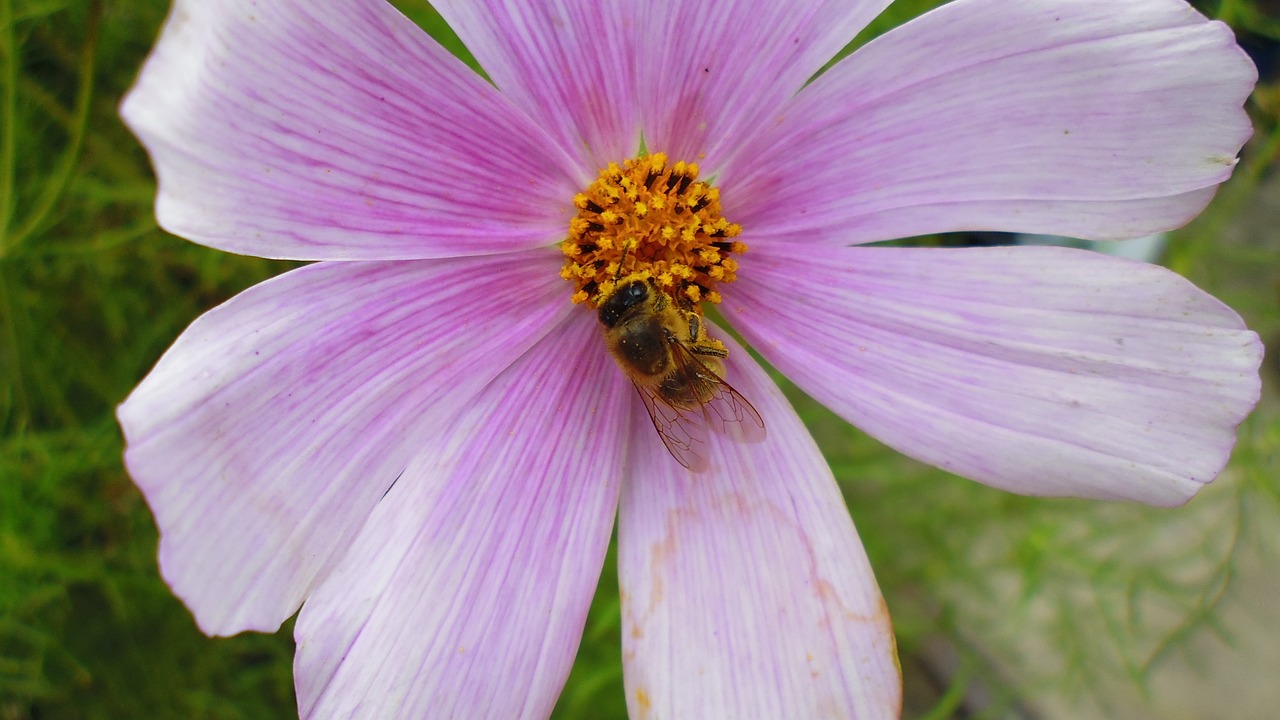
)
(1044, 371)
(745, 591)
(712, 72)
(697, 74)
(569, 64)
(266, 434)
(337, 130)
(466, 594)
(1088, 118)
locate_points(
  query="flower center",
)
(650, 219)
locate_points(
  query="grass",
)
(91, 292)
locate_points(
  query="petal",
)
(1045, 371)
(466, 594)
(570, 64)
(266, 434)
(696, 72)
(710, 72)
(745, 591)
(1087, 118)
(337, 130)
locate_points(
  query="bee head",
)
(624, 297)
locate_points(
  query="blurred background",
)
(1005, 607)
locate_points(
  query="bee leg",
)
(699, 343)
(659, 297)
(622, 261)
(695, 328)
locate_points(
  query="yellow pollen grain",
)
(650, 218)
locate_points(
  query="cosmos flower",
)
(421, 442)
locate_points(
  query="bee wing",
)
(683, 432)
(684, 429)
(724, 410)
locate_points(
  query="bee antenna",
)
(623, 260)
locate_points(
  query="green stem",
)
(953, 699)
(1229, 12)
(60, 178)
(13, 399)
(9, 111)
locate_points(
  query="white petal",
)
(337, 130)
(1045, 371)
(266, 434)
(466, 594)
(570, 64)
(710, 73)
(1087, 118)
(745, 590)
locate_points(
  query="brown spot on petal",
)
(643, 702)
(660, 553)
(813, 596)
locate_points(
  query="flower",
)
(421, 442)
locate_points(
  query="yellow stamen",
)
(648, 218)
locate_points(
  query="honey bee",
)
(677, 370)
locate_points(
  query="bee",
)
(677, 369)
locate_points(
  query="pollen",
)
(649, 218)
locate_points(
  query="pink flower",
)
(421, 442)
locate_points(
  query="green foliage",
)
(91, 293)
